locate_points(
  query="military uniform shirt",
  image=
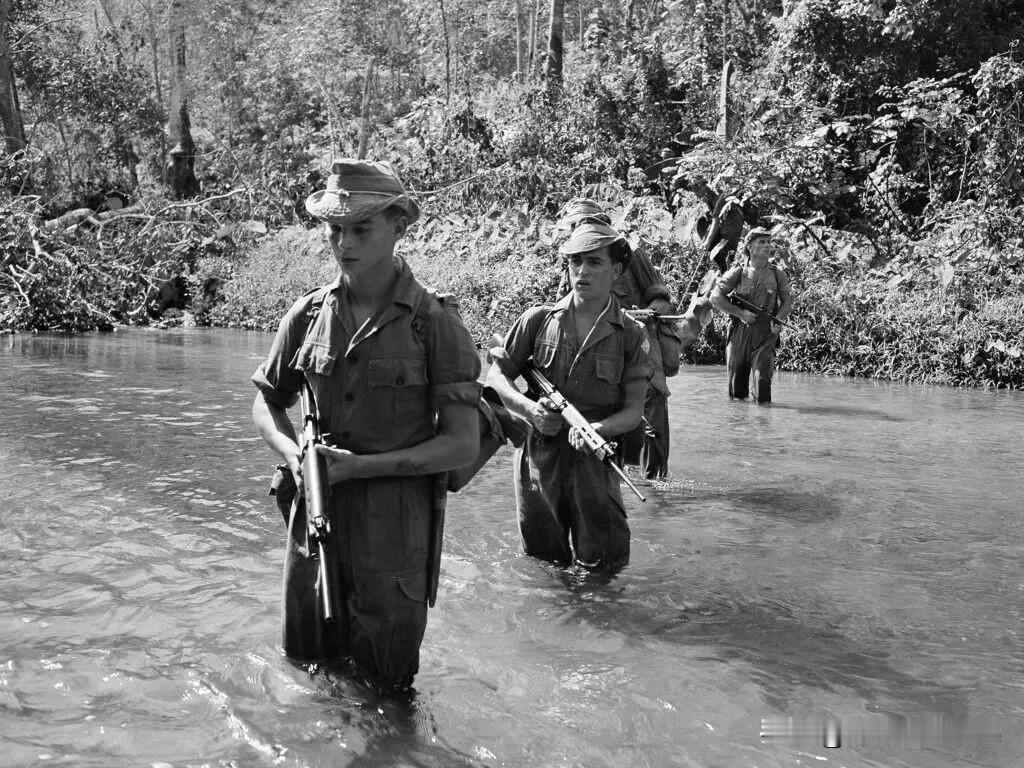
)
(377, 387)
(592, 378)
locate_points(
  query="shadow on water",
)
(843, 411)
(770, 501)
(787, 651)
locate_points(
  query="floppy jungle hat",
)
(579, 208)
(359, 189)
(593, 233)
(755, 234)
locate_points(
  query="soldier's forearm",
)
(510, 395)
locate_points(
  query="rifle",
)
(604, 450)
(758, 310)
(647, 315)
(314, 481)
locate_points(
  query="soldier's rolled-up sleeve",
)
(785, 287)
(454, 367)
(637, 364)
(275, 378)
(729, 280)
(519, 341)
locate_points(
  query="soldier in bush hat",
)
(394, 376)
(641, 286)
(750, 353)
(569, 504)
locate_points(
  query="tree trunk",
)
(630, 10)
(10, 112)
(519, 40)
(532, 45)
(556, 23)
(726, 14)
(181, 177)
(364, 112)
(151, 24)
(447, 56)
(724, 129)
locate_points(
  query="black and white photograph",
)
(512, 383)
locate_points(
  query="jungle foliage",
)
(883, 140)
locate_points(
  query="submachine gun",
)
(314, 481)
(604, 450)
(760, 311)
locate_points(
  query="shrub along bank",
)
(921, 321)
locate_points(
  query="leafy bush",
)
(256, 291)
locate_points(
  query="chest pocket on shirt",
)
(608, 370)
(398, 387)
(544, 353)
(315, 357)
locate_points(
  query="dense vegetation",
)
(883, 141)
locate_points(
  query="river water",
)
(853, 551)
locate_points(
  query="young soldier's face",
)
(364, 245)
(591, 274)
(758, 251)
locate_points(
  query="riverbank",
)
(948, 309)
(922, 321)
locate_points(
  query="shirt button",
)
(353, 359)
(349, 397)
(400, 381)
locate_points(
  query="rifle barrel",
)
(644, 315)
(314, 477)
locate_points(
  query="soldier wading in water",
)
(760, 285)
(569, 504)
(394, 375)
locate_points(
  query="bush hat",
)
(592, 233)
(359, 189)
(579, 208)
(755, 234)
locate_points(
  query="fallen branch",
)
(14, 279)
(204, 201)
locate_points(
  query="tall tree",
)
(556, 23)
(181, 177)
(10, 111)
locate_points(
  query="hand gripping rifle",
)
(314, 481)
(604, 450)
(758, 310)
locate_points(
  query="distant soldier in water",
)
(753, 293)
(641, 286)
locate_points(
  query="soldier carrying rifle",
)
(567, 498)
(393, 377)
(758, 296)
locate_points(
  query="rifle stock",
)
(314, 481)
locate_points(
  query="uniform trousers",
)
(569, 505)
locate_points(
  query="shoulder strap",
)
(314, 307)
(421, 315)
(778, 289)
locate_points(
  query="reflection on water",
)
(853, 549)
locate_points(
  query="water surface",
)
(853, 549)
